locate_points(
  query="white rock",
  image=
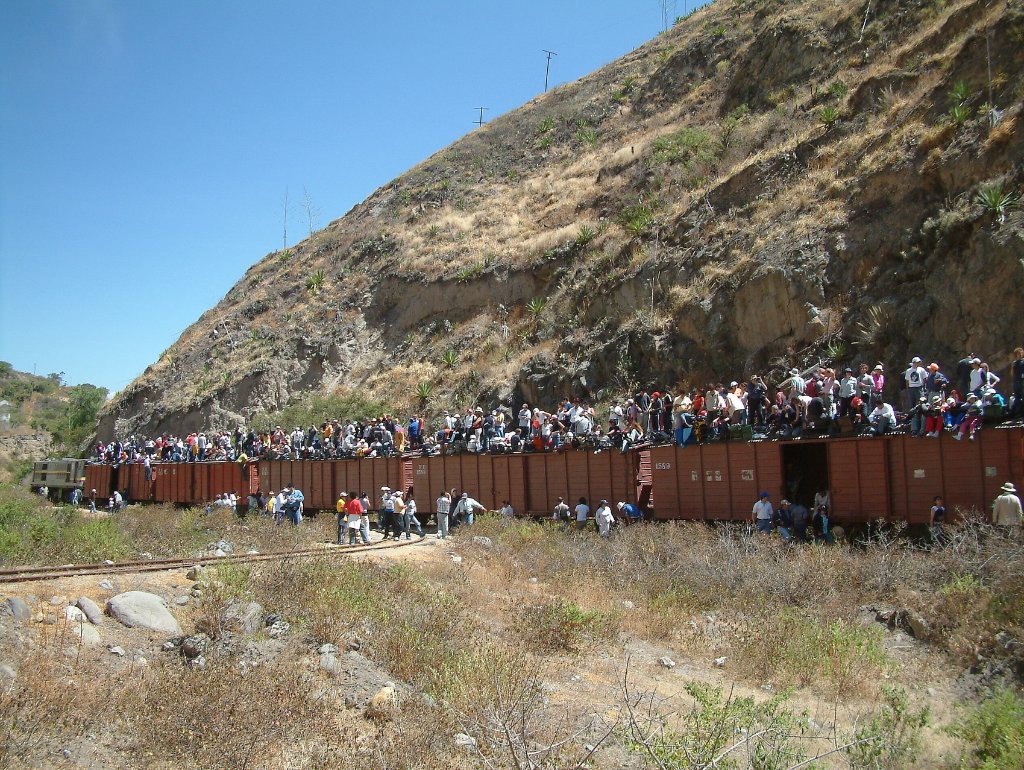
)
(220, 552)
(57, 601)
(534, 580)
(465, 741)
(138, 609)
(106, 585)
(720, 662)
(168, 646)
(480, 540)
(74, 615)
(181, 601)
(90, 636)
(457, 559)
(628, 605)
(117, 650)
(328, 648)
(243, 617)
(666, 662)
(108, 562)
(329, 663)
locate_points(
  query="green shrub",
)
(563, 626)
(722, 731)
(994, 732)
(891, 739)
(802, 650)
(686, 146)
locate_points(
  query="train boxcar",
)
(868, 478)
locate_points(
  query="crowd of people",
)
(820, 401)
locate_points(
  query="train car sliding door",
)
(804, 472)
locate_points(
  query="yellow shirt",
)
(340, 507)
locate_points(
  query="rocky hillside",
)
(762, 185)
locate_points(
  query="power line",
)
(547, 68)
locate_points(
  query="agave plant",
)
(424, 390)
(450, 358)
(959, 113)
(585, 235)
(315, 282)
(828, 116)
(536, 306)
(997, 200)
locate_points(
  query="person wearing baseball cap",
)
(915, 377)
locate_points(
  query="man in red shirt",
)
(354, 509)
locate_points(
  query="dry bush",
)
(725, 587)
(225, 715)
(53, 697)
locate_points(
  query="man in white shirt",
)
(762, 513)
(915, 378)
(882, 417)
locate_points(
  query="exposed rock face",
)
(758, 187)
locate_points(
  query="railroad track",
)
(29, 574)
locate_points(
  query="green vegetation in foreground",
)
(31, 531)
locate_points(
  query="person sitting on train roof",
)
(882, 418)
(971, 422)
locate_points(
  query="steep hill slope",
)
(763, 184)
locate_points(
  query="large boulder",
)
(138, 609)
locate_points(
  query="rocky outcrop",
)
(757, 188)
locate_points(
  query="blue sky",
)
(146, 147)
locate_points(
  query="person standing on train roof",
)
(1006, 509)
(762, 513)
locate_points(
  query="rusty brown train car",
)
(894, 477)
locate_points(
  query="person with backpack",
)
(561, 514)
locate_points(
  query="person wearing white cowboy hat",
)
(1006, 509)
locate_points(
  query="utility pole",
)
(480, 121)
(284, 239)
(547, 69)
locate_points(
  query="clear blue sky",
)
(145, 147)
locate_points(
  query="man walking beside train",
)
(1006, 509)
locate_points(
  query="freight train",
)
(893, 477)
